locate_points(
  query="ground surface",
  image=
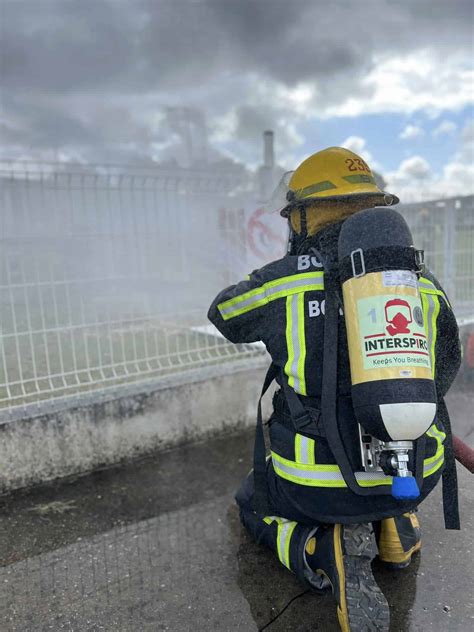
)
(157, 545)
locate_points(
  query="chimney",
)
(268, 155)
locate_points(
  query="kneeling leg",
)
(286, 538)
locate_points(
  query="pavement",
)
(156, 544)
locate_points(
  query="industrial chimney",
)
(268, 153)
(266, 171)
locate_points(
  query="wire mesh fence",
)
(106, 273)
(444, 229)
(105, 276)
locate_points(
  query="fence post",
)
(450, 211)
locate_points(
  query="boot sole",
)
(366, 606)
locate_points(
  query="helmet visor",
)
(278, 199)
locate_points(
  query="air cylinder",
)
(393, 390)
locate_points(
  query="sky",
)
(123, 81)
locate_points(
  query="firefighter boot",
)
(397, 539)
(343, 554)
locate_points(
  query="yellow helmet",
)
(334, 173)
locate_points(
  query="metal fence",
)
(445, 230)
(106, 276)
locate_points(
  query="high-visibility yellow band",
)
(304, 449)
(284, 533)
(431, 307)
(434, 320)
(428, 287)
(295, 342)
(270, 519)
(278, 288)
(331, 476)
(302, 343)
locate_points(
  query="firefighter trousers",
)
(286, 538)
(397, 538)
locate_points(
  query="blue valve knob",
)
(405, 488)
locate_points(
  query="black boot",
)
(343, 554)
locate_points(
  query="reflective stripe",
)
(295, 282)
(270, 519)
(434, 462)
(431, 468)
(324, 185)
(359, 179)
(284, 533)
(295, 342)
(439, 435)
(428, 287)
(431, 308)
(278, 288)
(426, 284)
(243, 303)
(331, 476)
(304, 449)
(323, 475)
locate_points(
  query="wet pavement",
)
(156, 545)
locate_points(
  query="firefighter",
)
(319, 528)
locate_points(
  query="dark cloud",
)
(85, 72)
(65, 46)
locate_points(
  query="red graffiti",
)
(263, 241)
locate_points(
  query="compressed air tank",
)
(393, 391)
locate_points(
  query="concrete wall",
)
(75, 438)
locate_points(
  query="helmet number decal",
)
(357, 164)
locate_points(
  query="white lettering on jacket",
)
(306, 261)
(316, 308)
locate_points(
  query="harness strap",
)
(450, 477)
(302, 422)
(401, 257)
(260, 499)
(329, 383)
(301, 417)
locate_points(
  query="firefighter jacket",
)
(283, 305)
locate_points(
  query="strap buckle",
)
(361, 262)
(302, 421)
(420, 261)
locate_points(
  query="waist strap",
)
(312, 406)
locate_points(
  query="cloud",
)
(458, 173)
(444, 128)
(358, 145)
(406, 83)
(467, 135)
(415, 180)
(107, 71)
(414, 168)
(411, 132)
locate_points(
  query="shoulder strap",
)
(450, 478)
(260, 499)
(329, 384)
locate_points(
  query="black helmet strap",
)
(303, 221)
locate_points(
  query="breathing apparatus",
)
(393, 391)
